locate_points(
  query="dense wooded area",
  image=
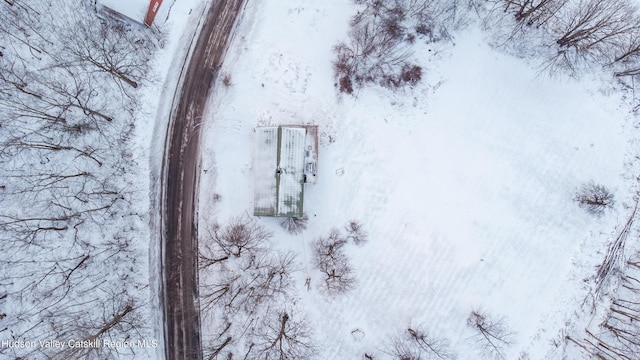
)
(74, 265)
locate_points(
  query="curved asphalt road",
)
(179, 186)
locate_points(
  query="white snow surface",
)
(464, 183)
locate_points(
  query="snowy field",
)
(464, 183)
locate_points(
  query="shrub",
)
(346, 86)
(411, 74)
(492, 334)
(594, 198)
(295, 225)
(330, 259)
(226, 79)
(355, 232)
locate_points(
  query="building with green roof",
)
(285, 158)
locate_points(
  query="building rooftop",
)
(133, 9)
(280, 164)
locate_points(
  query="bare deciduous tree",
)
(372, 54)
(240, 235)
(67, 218)
(492, 333)
(243, 280)
(249, 276)
(532, 12)
(356, 233)
(107, 45)
(627, 54)
(330, 259)
(616, 337)
(591, 31)
(283, 336)
(295, 225)
(377, 49)
(417, 344)
(591, 22)
(215, 348)
(594, 198)
(581, 33)
(93, 331)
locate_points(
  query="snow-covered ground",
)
(464, 183)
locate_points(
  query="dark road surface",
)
(180, 184)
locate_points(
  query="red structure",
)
(154, 6)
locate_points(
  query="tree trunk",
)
(113, 322)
